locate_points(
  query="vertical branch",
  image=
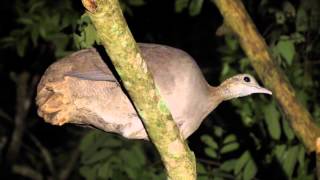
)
(236, 18)
(125, 55)
(24, 96)
(22, 106)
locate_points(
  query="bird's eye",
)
(246, 79)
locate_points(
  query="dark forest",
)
(252, 137)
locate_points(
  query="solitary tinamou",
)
(81, 89)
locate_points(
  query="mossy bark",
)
(117, 39)
(255, 47)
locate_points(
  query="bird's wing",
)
(94, 75)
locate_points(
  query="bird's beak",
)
(262, 90)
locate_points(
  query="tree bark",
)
(236, 18)
(125, 55)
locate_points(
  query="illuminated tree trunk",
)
(125, 55)
(237, 19)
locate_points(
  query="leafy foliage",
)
(194, 6)
(105, 156)
(264, 115)
(42, 21)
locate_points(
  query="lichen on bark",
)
(125, 55)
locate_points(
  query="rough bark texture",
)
(126, 57)
(236, 18)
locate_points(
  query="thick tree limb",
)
(236, 18)
(126, 57)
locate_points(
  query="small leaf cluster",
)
(105, 156)
(219, 146)
(193, 6)
(40, 22)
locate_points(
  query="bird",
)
(98, 100)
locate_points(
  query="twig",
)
(23, 103)
(26, 171)
(5, 116)
(67, 169)
(45, 154)
(210, 162)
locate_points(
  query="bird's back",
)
(176, 74)
(181, 84)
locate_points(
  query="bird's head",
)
(241, 85)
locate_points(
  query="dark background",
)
(46, 150)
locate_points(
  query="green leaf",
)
(34, 36)
(229, 138)
(25, 21)
(244, 63)
(105, 171)
(287, 50)
(8, 41)
(301, 155)
(86, 141)
(290, 160)
(297, 38)
(302, 96)
(131, 172)
(250, 170)
(229, 148)
(112, 143)
(289, 9)
(229, 165)
(287, 130)
(218, 131)
(232, 42)
(201, 168)
(202, 172)
(301, 20)
(272, 118)
(138, 156)
(42, 32)
(225, 69)
(21, 47)
(279, 151)
(246, 112)
(90, 35)
(280, 17)
(36, 5)
(98, 156)
(208, 140)
(241, 162)
(180, 5)
(88, 172)
(210, 152)
(195, 7)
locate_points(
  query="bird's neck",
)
(222, 93)
(216, 96)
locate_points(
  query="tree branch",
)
(236, 18)
(125, 55)
(24, 96)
